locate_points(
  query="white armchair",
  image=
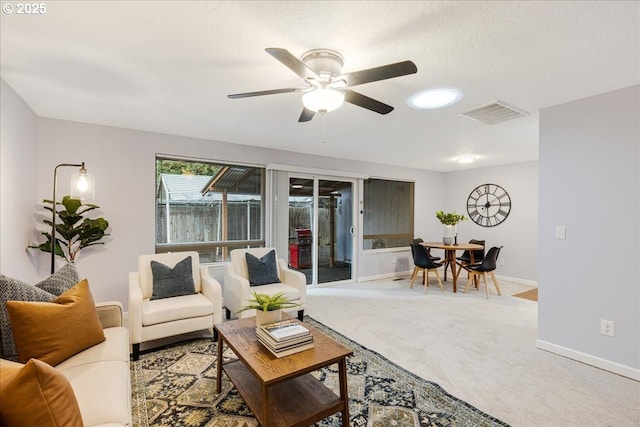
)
(150, 319)
(237, 290)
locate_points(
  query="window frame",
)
(409, 235)
(212, 246)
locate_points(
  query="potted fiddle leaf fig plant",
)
(449, 220)
(74, 231)
(268, 307)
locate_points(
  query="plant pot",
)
(264, 317)
(448, 235)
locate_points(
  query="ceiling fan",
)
(326, 88)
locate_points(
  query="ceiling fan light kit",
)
(323, 100)
(323, 61)
(326, 87)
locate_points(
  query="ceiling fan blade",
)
(260, 93)
(293, 63)
(380, 73)
(306, 115)
(366, 102)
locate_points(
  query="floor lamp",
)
(82, 187)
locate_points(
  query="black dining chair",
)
(423, 262)
(465, 258)
(488, 265)
(419, 240)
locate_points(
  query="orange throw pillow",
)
(54, 331)
(36, 394)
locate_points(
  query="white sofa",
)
(100, 375)
(237, 290)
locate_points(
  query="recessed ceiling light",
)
(466, 158)
(435, 98)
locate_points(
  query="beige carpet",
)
(482, 351)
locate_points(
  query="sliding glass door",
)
(321, 219)
(335, 230)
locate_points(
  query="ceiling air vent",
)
(494, 112)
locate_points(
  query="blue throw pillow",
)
(172, 282)
(262, 271)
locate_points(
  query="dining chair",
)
(419, 240)
(465, 258)
(488, 265)
(423, 262)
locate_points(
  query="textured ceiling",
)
(168, 66)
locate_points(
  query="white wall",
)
(123, 162)
(589, 182)
(519, 231)
(18, 166)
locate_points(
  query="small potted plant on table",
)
(449, 220)
(268, 307)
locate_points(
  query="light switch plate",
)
(561, 232)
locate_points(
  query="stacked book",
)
(285, 337)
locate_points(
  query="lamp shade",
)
(323, 100)
(82, 185)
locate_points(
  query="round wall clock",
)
(488, 205)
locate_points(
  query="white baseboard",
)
(518, 280)
(408, 273)
(607, 365)
(391, 275)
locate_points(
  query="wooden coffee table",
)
(281, 391)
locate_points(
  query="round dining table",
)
(450, 256)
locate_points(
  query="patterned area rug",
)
(175, 386)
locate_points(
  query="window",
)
(388, 213)
(210, 208)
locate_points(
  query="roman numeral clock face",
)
(488, 205)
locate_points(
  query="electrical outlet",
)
(501, 262)
(607, 327)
